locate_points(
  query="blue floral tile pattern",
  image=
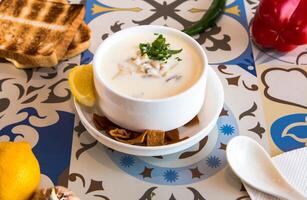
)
(127, 161)
(213, 162)
(170, 176)
(227, 129)
(144, 170)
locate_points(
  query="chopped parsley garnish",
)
(158, 49)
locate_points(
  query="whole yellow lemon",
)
(19, 171)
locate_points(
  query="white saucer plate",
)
(207, 118)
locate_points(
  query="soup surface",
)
(128, 70)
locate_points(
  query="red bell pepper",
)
(280, 24)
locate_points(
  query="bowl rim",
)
(146, 149)
(183, 35)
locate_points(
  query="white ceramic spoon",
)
(253, 165)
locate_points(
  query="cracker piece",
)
(119, 133)
(172, 136)
(103, 123)
(155, 137)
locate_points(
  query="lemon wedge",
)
(81, 84)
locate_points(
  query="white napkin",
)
(293, 165)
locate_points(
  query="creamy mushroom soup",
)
(151, 66)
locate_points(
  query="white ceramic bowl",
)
(207, 116)
(157, 114)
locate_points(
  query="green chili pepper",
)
(213, 13)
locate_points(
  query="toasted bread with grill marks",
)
(36, 32)
(81, 41)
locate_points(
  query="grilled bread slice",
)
(80, 43)
(36, 32)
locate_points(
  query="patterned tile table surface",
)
(265, 99)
